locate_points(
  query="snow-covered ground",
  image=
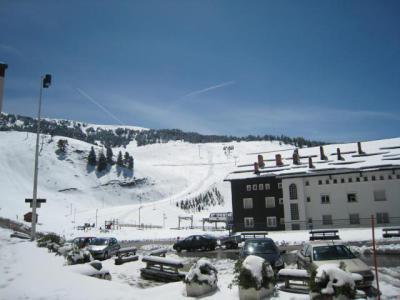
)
(25, 277)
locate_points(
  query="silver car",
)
(315, 254)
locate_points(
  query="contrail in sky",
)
(100, 106)
(214, 87)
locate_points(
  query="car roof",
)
(325, 243)
(260, 240)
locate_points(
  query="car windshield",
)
(332, 252)
(99, 242)
(260, 247)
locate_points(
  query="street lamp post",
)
(44, 83)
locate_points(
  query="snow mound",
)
(336, 276)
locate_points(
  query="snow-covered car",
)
(194, 242)
(315, 254)
(103, 248)
(264, 248)
(92, 269)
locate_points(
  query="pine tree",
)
(102, 163)
(120, 162)
(109, 155)
(130, 163)
(62, 146)
(92, 160)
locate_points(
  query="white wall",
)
(339, 207)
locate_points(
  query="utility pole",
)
(140, 207)
(44, 83)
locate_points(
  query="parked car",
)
(83, 241)
(264, 248)
(194, 242)
(103, 248)
(231, 241)
(315, 254)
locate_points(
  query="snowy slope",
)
(174, 171)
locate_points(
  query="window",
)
(294, 211)
(354, 219)
(352, 197)
(292, 191)
(254, 187)
(334, 181)
(327, 181)
(248, 222)
(398, 176)
(269, 202)
(310, 220)
(271, 221)
(248, 188)
(325, 199)
(319, 182)
(308, 199)
(260, 187)
(389, 176)
(281, 201)
(380, 195)
(382, 218)
(267, 186)
(373, 178)
(307, 183)
(358, 179)
(350, 179)
(366, 178)
(381, 177)
(279, 185)
(282, 221)
(247, 203)
(342, 180)
(326, 219)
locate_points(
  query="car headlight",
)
(279, 262)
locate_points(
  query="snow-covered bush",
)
(329, 281)
(63, 250)
(49, 238)
(78, 256)
(201, 278)
(255, 277)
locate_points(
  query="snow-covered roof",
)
(375, 155)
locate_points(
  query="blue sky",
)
(327, 70)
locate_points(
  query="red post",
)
(375, 259)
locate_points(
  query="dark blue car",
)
(264, 248)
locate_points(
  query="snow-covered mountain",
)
(164, 174)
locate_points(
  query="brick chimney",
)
(310, 164)
(322, 154)
(296, 157)
(260, 161)
(339, 155)
(256, 169)
(359, 148)
(278, 159)
(3, 68)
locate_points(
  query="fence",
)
(319, 224)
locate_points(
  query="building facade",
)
(342, 198)
(257, 204)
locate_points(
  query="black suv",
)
(264, 248)
(194, 242)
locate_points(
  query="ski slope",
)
(174, 171)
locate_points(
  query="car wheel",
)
(203, 248)
(178, 249)
(212, 248)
